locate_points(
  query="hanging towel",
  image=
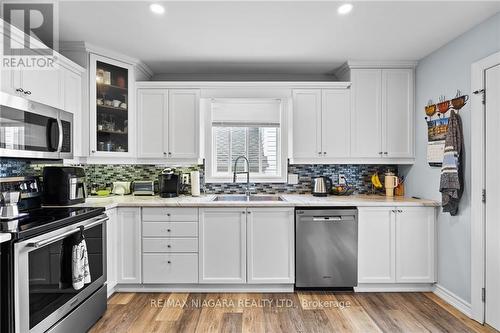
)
(66, 262)
(80, 263)
(452, 180)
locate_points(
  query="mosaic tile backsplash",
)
(357, 176)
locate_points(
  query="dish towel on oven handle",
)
(452, 179)
(80, 263)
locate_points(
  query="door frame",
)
(478, 182)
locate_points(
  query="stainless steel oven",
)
(34, 130)
(41, 300)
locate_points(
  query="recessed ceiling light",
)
(344, 9)
(157, 8)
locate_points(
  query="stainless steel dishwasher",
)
(326, 248)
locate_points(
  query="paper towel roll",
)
(195, 183)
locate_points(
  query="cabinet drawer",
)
(170, 268)
(170, 245)
(167, 214)
(170, 229)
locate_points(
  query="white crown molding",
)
(81, 46)
(242, 84)
(367, 64)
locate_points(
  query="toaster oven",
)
(143, 187)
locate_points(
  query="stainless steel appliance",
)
(143, 187)
(326, 242)
(34, 130)
(34, 295)
(169, 184)
(321, 186)
(63, 185)
(8, 205)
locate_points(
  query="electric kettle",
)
(321, 186)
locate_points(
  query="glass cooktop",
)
(42, 220)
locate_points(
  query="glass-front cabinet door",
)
(111, 107)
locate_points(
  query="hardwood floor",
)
(297, 312)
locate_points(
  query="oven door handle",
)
(65, 234)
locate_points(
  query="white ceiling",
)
(298, 37)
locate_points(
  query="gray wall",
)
(443, 72)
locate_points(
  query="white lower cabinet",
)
(129, 245)
(376, 245)
(396, 245)
(247, 245)
(222, 245)
(270, 245)
(170, 267)
(111, 249)
(415, 244)
(169, 245)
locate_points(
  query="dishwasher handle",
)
(327, 218)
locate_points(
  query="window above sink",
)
(250, 127)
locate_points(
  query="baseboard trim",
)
(453, 300)
(393, 287)
(205, 288)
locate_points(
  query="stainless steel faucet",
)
(235, 173)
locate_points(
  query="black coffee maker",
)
(169, 183)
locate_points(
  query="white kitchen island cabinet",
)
(396, 245)
(222, 245)
(129, 245)
(270, 245)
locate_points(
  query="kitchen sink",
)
(250, 198)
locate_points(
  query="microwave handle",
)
(51, 123)
(61, 135)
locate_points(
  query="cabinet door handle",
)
(93, 151)
(168, 214)
(169, 262)
(319, 153)
(27, 92)
(168, 230)
(324, 153)
(20, 90)
(380, 153)
(243, 213)
(249, 212)
(400, 211)
(164, 153)
(169, 246)
(386, 153)
(169, 153)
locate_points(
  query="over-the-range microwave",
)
(34, 130)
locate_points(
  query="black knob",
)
(169, 262)
(169, 246)
(168, 214)
(168, 230)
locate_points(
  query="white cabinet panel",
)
(222, 257)
(129, 245)
(307, 123)
(170, 229)
(170, 268)
(270, 239)
(415, 239)
(183, 123)
(72, 94)
(44, 86)
(376, 245)
(366, 119)
(152, 122)
(170, 245)
(111, 249)
(336, 117)
(397, 103)
(167, 214)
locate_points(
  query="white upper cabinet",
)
(366, 120)
(270, 244)
(336, 117)
(307, 124)
(43, 86)
(183, 123)
(152, 121)
(320, 125)
(168, 123)
(112, 120)
(398, 105)
(382, 122)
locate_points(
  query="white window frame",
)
(211, 176)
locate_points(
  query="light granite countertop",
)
(289, 200)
